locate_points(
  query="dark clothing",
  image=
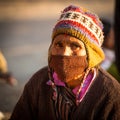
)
(102, 101)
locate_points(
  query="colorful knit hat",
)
(85, 26)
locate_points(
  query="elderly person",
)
(73, 86)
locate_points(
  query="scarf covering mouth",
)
(68, 67)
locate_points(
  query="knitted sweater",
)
(101, 102)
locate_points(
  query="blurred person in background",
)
(5, 75)
(72, 86)
(109, 50)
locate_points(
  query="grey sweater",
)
(102, 101)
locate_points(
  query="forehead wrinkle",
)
(68, 39)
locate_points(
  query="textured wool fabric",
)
(68, 68)
(102, 101)
(85, 26)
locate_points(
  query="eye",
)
(59, 44)
(75, 46)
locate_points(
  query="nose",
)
(67, 51)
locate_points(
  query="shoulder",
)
(39, 78)
(110, 84)
(106, 76)
(40, 74)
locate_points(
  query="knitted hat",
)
(85, 26)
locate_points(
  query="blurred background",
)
(25, 35)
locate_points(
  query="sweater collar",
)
(84, 88)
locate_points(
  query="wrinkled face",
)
(66, 45)
(68, 58)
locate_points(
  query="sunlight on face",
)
(67, 46)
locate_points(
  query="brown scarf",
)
(68, 68)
